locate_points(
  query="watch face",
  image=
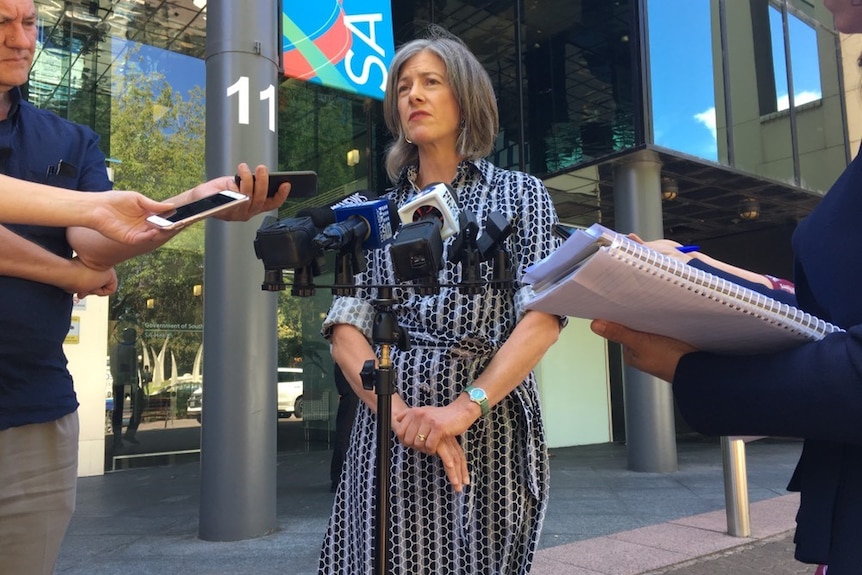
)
(479, 397)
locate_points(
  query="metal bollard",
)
(735, 487)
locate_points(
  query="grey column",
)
(648, 401)
(238, 437)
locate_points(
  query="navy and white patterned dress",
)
(493, 526)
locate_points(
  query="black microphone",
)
(285, 244)
(320, 216)
(492, 248)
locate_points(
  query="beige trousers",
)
(38, 476)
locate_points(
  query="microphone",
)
(368, 222)
(436, 201)
(426, 220)
(320, 216)
(286, 244)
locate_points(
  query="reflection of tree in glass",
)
(316, 128)
(167, 277)
(156, 134)
(158, 138)
(289, 332)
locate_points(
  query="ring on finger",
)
(421, 437)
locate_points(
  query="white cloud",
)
(707, 118)
(801, 98)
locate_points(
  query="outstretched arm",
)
(120, 216)
(100, 252)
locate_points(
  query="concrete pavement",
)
(602, 518)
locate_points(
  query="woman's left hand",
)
(435, 431)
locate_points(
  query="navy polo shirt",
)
(39, 146)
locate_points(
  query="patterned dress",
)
(493, 526)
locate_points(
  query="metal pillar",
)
(735, 487)
(238, 437)
(648, 401)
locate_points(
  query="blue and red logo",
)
(345, 44)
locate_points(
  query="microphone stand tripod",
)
(385, 332)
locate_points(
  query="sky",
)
(182, 72)
(682, 74)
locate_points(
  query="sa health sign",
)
(345, 44)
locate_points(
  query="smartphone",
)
(197, 210)
(303, 183)
(563, 231)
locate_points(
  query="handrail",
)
(149, 454)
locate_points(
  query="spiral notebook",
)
(598, 273)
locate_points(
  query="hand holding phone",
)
(189, 213)
(303, 183)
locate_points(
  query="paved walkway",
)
(602, 518)
(694, 545)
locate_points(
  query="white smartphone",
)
(189, 213)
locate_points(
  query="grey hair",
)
(473, 92)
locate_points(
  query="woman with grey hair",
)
(469, 467)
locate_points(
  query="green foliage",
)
(156, 134)
(158, 138)
(316, 128)
(289, 332)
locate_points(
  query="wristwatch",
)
(479, 397)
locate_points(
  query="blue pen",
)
(687, 249)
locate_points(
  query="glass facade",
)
(578, 83)
(752, 85)
(682, 87)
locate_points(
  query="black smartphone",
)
(303, 183)
(563, 231)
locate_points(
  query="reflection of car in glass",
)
(170, 398)
(289, 395)
(193, 407)
(290, 391)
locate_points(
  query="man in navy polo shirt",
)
(38, 418)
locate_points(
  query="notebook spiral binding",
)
(713, 287)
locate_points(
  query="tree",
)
(158, 138)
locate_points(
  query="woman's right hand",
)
(648, 352)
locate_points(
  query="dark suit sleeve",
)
(813, 391)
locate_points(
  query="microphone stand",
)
(385, 332)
